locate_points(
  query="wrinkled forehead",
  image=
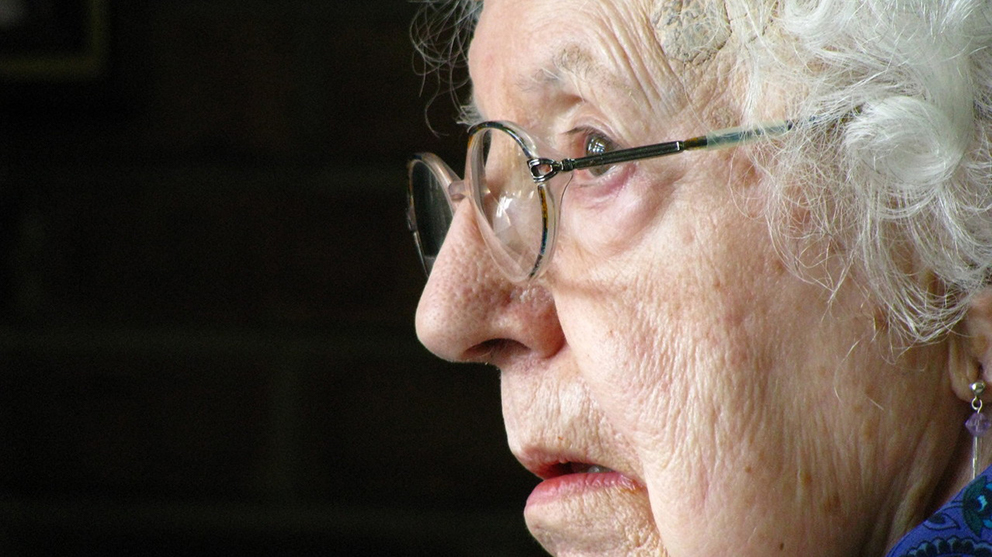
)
(648, 48)
(689, 30)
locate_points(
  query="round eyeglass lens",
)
(431, 210)
(513, 209)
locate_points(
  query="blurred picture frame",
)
(53, 40)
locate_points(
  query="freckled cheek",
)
(626, 369)
(650, 341)
(620, 355)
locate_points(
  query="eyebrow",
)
(469, 114)
(575, 61)
(572, 60)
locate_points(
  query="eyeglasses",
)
(516, 193)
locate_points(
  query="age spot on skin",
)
(691, 31)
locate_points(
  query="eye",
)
(596, 144)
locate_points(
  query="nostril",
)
(487, 352)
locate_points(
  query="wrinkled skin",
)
(743, 412)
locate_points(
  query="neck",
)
(924, 491)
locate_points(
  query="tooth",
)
(596, 469)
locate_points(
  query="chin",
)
(592, 513)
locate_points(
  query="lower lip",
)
(570, 485)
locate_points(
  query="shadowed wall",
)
(206, 323)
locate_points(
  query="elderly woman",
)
(733, 260)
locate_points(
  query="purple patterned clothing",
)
(962, 528)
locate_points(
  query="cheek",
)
(678, 332)
(661, 371)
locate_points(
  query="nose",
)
(470, 312)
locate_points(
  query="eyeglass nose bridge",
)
(456, 191)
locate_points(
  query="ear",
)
(971, 356)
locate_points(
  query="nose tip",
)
(468, 308)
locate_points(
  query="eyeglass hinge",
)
(544, 169)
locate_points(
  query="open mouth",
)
(584, 468)
(565, 468)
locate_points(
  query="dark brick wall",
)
(207, 295)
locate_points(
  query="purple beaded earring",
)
(978, 424)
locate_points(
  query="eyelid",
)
(588, 131)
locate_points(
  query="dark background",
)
(207, 292)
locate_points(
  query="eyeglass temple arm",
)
(544, 169)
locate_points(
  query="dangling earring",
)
(978, 424)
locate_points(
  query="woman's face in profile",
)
(666, 376)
